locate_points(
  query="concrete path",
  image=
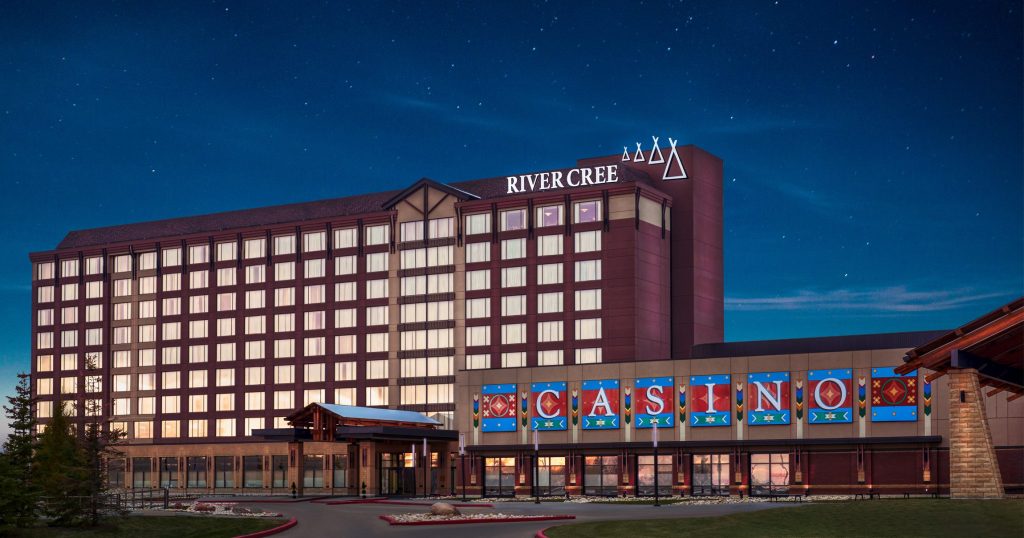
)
(359, 520)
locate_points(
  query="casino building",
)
(342, 346)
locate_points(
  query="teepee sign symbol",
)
(673, 165)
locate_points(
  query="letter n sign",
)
(655, 402)
(711, 401)
(768, 394)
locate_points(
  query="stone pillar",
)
(973, 467)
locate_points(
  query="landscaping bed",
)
(431, 519)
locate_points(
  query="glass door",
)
(645, 474)
(710, 474)
(551, 475)
(499, 477)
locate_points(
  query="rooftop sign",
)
(577, 177)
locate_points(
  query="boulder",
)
(443, 509)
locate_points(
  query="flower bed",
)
(430, 519)
(219, 509)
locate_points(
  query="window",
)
(68, 268)
(315, 268)
(441, 228)
(313, 321)
(199, 279)
(600, 475)
(710, 474)
(377, 262)
(227, 276)
(122, 263)
(344, 265)
(345, 291)
(549, 331)
(513, 305)
(376, 235)
(513, 277)
(171, 355)
(427, 367)
(313, 470)
(377, 289)
(478, 252)
(345, 371)
(198, 254)
(344, 318)
(478, 280)
(377, 342)
(346, 396)
(171, 429)
(549, 273)
(591, 355)
(172, 257)
(549, 245)
(172, 282)
(588, 270)
(376, 396)
(588, 329)
(284, 374)
(284, 244)
(284, 297)
(255, 401)
(588, 241)
(345, 238)
(44, 271)
(255, 274)
(254, 248)
(314, 241)
(227, 251)
(377, 369)
(225, 402)
(314, 346)
(513, 333)
(225, 302)
(345, 344)
(377, 315)
(284, 323)
(412, 231)
(549, 216)
(197, 379)
(513, 249)
(255, 350)
(513, 219)
(172, 331)
(197, 428)
(284, 349)
(94, 265)
(549, 357)
(170, 380)
(478, 336)
(314, 373)
(226, 428)
(645, 470)
(147, 309)
(284, 271)
(94, 289)
(196, 329)
(284, 399)
(479, 223)
(513, 360)
(586, 211)
(255, 299)
(45, 294)
(252, 468)
(478, 308)
(198, 354)
(588, 300)
(69, 292)
(44, 363)
(769, 473)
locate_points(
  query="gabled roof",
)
(427, 182)
(354, 415)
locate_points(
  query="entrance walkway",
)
(359, 520)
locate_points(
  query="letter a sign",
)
(655, 402)
(711, 400)
(601, 404)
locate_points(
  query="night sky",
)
(873, 153)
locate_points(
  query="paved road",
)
(359, 520)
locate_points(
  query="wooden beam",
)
(993, 392)
(1015, 396)
(938, 355)
(988, 369)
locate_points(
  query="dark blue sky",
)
(872, 151)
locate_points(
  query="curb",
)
(541, 534)
(280, 528)
(260, 501)
(406, 503)
(391, 520)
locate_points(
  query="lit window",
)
(588, 329)
(588, 355)
(284, 271)
(377, 369)
(513, 305)
(314, 241)
(225, 427)
(227, 251)
(441, 228)
(550, 357)
(255, 350)
(197, 254)
(513, 277)
(513, 333)
(45, 294)
(197, 428)
(122, 263)
(170, 380)
(314, 321)
(170, 429)
(196, 329)
(479, 223)
(376, 342)
(345, 344)
(317, 294)
(315, 268)
(376, 289)
(377, 315)
(172, 257)
(588, 241)
(345, 318)
(376, 235)
(586, 211)
(588, 300)
(549, 216)
(513, 219)
(314, 373)
(376, 396)
(44, 363)
(377, 262)
(172, 282)
(254, 299)
(147, 261)
(225, 402)
(94, 265)
(345, 396)
(513, 249)
(255, 325)
(254, 248)
(284, 399)
(549, 331)
(227, 276)
(284, 374)
(412, 231)
(284, 349)
(478, 308)
(478, 252)
(284, 244)
(69, 292)
(226, 350)
(94, 289)
(345, 291)
(549, 273)
(587, 270)
(344, 265)
(255, 401)
(170, 405)
(513, 360)
(199, 279)
(170, 355)
(345, 371)
(284, 323)
(549, 245)
(284, 297)
(314, 346)
(44, 271)
(345, 238)
(68, 268)
(198, 353)
(255, 274)
(478, 336)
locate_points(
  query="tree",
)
(60, 470)
(97, 447)
(19, 496)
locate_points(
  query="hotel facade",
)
(564, 322)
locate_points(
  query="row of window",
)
(548, 273)
(316, 241)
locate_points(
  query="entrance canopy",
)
(332, 422)
(992, 344)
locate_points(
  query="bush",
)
(208, 508)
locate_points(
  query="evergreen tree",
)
(19, 495)
(60, 470)
(97, 448)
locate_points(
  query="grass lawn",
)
(159, 527)
(914, 517)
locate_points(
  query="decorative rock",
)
(443, 509)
